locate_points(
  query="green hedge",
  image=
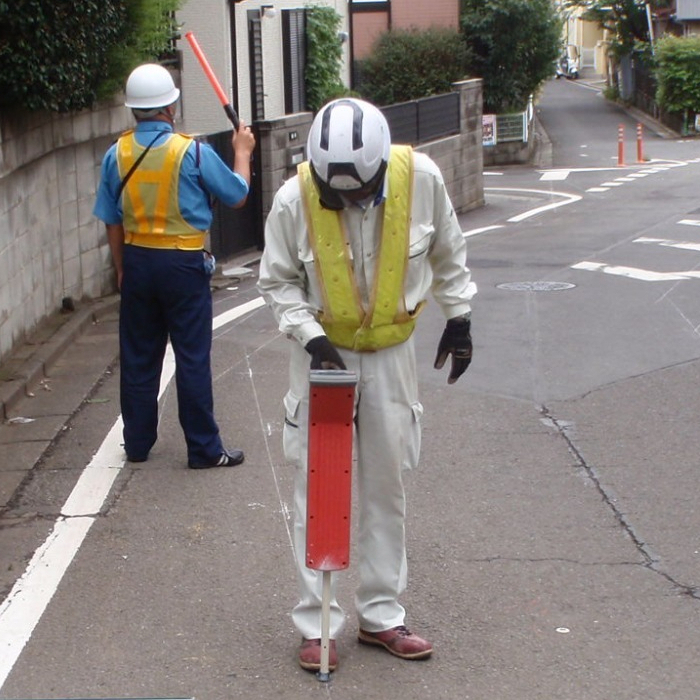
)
(63, 55)
(409, 64)
(678, 74)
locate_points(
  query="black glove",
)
(456, 341)
(323, 354)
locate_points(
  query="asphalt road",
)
(553, 526)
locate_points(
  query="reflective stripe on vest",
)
(150, 196)
(346, 323)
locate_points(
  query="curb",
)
(29, 370)
(32, 360)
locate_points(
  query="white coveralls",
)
(387, 410)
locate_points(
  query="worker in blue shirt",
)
(154, 197)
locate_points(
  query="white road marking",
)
(21, 611)
(682, 245)
(597, 189)
(611, 184)
(690, 222)
(555, 175)
(566, 199)
(636, 272)
(477, 231)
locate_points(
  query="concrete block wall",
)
(51, 247)
(280, 140)
(461, 157)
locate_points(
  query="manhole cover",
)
(535, 286)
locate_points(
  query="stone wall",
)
(51, 247)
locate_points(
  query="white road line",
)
(690, 222)
(477, 231)
(636, 272)
(566, 199)
(682, 245)
(21, 611)
(597, 189)
(611, 184)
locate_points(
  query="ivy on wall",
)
(323, 57)
(63, 55)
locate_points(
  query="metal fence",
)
(510, 127)
(427, 119)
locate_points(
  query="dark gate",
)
(236, 230)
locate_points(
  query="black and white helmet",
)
(348, 148)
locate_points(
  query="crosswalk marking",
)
(555, 175)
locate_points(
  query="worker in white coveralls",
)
(353, 244)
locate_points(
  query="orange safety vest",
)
(152, 217)
(344, 319)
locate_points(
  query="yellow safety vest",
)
(152, 217)
(344, 319)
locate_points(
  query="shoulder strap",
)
(122, 184)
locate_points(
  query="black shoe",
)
(130, 458)
(225, 459)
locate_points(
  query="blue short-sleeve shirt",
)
(197, 183)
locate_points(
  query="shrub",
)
(409, 64)
(678, 73)
(64, 54)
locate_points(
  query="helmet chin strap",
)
(336, 199)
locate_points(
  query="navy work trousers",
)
(166, 293)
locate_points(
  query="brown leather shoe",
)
(399, 641)
(310, 655)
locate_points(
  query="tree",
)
(438, 58)
(626, 20)
(513, 46)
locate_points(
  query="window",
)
(257, 96)
(294, 48)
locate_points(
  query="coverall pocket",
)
(413, 438)
(421, 236)
(291, 441)
(306, 257)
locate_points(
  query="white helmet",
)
(150, 86)
(348, 147)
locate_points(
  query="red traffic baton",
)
(329, 486)
(223, 97)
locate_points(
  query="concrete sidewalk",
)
(47, 378)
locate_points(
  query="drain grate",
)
(535, 286)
